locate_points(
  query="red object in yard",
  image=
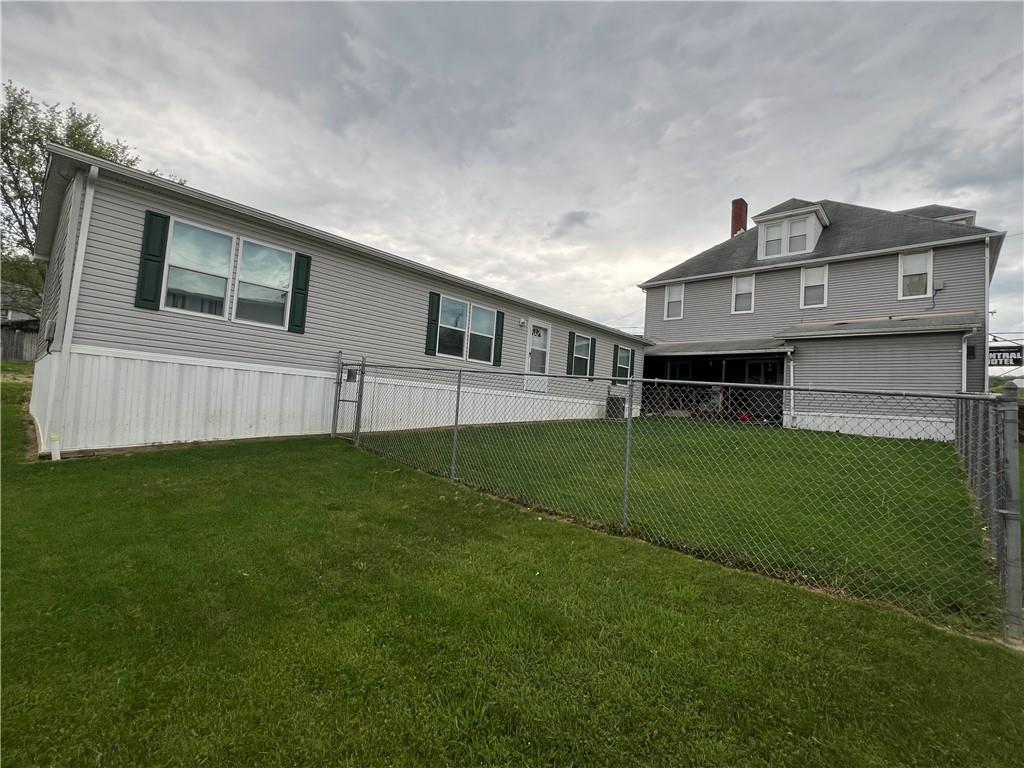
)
(743, 416)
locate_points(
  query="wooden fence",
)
(17, 344)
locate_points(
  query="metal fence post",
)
(972, 447)
(992, 463)
(358, 423)
(339, 383)
(455, 426)
(629, 455)
(1010, 515)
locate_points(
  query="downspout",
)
(963, 362)
(63, 385)
(988, 277)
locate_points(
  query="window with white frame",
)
(622, 363)
(786, 238)
(460, 322)
(674, 301)
(581, 355)
(797, 235)
(198, 269)
(742, 294)
(915, 275)
(481, 334)
(264, 284)
(814, 287)
(773, 239)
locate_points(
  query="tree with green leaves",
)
(26, 127)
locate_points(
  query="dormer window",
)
(773, 239)
(790, 231)
(798, 235)
(787, 237)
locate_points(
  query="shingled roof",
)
(935, 211)
(853, 229)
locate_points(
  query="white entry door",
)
(538, 343)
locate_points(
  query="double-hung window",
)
(481, 334)
(264, 284)
(797, 235)
(581, 355)
(773, 239)
(460, 322)
(915, 275)
(785, 238)
(198, 269)
(674, 301)
(623, 357)
(814, 287)
(742, 294)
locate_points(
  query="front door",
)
(538, 343)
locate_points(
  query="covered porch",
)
(731, 361)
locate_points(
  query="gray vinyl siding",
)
(913, 362)
(856, 289)
(356, 304)
(920, 362)
(54, 290)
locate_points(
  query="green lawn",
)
(889, 520)
(299, 602)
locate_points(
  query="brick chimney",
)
(739, 217)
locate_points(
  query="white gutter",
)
(963, 362)
(886, 332)
(821, 260)
(63, 363)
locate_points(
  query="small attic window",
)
(788, 237)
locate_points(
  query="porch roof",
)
(936, 322)
(745, 346)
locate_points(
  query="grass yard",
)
(298, 602)
(889, 520)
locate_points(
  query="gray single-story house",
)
(174, 315)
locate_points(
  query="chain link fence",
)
(908, 499)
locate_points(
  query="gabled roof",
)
(793, 204)
(935, 211)
(854, 230)
(936, 322)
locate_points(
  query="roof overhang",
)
(996, 239)
(719, 348)
(64, 163)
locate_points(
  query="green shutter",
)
(499, 335)
(300, 293)
(572, 351)
(433, 316)
(632, 360)
(151, 261)
(593, 355)
(615, 360)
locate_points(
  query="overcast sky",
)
(564, 153)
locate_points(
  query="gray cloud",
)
(455, 134)
(569, 221)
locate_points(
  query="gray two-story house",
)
(829, 294)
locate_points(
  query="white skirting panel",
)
(905, 427)
(44, 381)
(392, 404)
(117, 399)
